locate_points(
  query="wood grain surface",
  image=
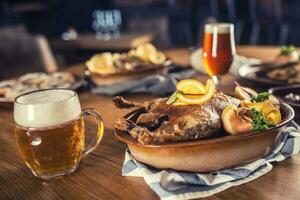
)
(99, 174)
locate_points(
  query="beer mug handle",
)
(99, 134)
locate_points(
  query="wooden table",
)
(99, 174)
(89, 42)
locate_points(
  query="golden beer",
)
(52, 150)
(50, 131)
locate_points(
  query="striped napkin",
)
(174, 185)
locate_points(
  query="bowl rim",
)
(280, 88)
(126, 138)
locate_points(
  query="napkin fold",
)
(154, 84)
(175, 185)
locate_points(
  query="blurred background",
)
(49, 33)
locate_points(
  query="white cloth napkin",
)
(174, 185)
(238, 61)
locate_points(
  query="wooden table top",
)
(99, 174)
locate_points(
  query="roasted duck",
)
(162, 122)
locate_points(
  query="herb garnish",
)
(260, 122)
(287, 50)
(261, 97)
(172, 98)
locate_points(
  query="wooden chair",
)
(48, 60)
(21, 52)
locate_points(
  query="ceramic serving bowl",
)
(207, 155)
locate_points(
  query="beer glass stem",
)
(217, 80)
(99, 134)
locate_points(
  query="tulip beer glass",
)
(49, 130)
(218, 49)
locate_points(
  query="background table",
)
(69, 52)
(89, 42)
(99, 174)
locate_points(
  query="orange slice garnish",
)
(190, 86)
(210, 89)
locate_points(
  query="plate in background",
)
(255, 75)
(78, 84)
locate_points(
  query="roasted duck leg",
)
(121, 103)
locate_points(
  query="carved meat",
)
(162, 123)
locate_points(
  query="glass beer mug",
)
(49, 130)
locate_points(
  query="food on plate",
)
(243, 93)
(236, 120)
(157, 58)
(145, 56)
(192, 92)
(284, 69)
(286, 73)
(259, 112)
(34, 81)
(162, 122)
(5, 85)
(289, 74)
(210, 89)
(144, 50)
(201, 114)
(287, 54)
(293, 97)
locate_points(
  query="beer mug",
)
(50, 133)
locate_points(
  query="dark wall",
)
(59, 15)
(277, 21)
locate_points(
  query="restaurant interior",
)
(150, 99)
(169, 23)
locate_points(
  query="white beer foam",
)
(221, 28)
(46, 108)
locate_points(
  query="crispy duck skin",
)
(163, 123)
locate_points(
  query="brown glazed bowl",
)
(207, 155)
